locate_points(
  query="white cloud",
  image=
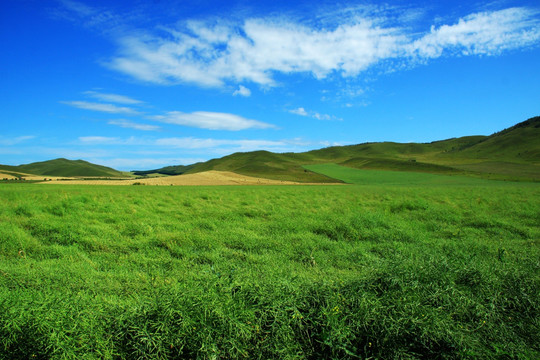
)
(219, 145)
(242, 91)
(300, 111)
(6, 141)
(195, 143)
(127, 164)
(131, 125)
(78, 8)
(330, 143)
(212, 55)
(98, 140)
(108, 108)
(322, 116)
(91, 17)
(486, 33)
(313, 114)
(115, 98)
(211, 120)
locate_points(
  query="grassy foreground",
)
(388, 272)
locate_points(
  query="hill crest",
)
(513, 154)
(64, 167)
(510, 154)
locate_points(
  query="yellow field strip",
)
(204, 178)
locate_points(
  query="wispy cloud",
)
(196, 143)
(313, 114)
(78, 8)
(132, 125)
(143, 163)
(108, 108)
(211, 120)
(93, 17)
(114, 98)
(190, 143)
(198, 119)
(99, 140)
(7, 141)
(485, 33)
(207, 54)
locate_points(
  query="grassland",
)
(425, 269)
(511, 154)
(384, 177)
(63, 168)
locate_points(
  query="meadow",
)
(384, 269)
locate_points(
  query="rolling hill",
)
(511, 154)
(64, 167)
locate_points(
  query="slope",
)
(65, 167)
(512, 154)
(520, 143)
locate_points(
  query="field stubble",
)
(270, 272)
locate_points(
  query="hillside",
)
(64, 167)
(520, 143)
(512, 154)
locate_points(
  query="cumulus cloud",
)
(242, 91)
(299, 111)
(108, 108)
(132, 125)
(255, 50)
(211, 120)
(209, 56)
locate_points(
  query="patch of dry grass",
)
(204, 178)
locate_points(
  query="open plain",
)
(395, 265)
(199, 179)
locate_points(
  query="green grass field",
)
(384, 177)
(393, 268)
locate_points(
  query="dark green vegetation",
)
(432, 269)
(512, 154)
(63, 167)
(168, 170)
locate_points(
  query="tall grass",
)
(307, 272)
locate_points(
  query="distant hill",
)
(167, 170)
(64, 167)
(513, 154)
(519, 143)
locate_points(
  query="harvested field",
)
(7, 176)
(204, 178)
(30, 177)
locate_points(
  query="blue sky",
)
(148, 83)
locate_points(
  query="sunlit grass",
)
(395, 271)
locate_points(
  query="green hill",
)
(168, 170)
(64, 167)
(512, 154)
